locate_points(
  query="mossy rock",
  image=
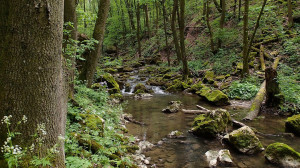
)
(245, 141)
(112, 84)
(140, 88)
(215, 97)
(221, 77)
(178, 85)
(110, 70)
(292, 124)
(239, 66)
(196, 87)
(127, 69)
(173, 107)
(211, 124)
(209, 77)
(156, 81)
(282, 155)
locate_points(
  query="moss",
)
(245, 141)
(140, 88)
(210, 124)
(196, 87)
(277, 153)
(209, 77)
(220, 77)
(110, 70)
(131, 149)
(127, 69)
(239, 66)
(156, 81)
(93, 122)
(216, 97)
(111, 83)
(292, 124)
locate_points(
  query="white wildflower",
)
(24, 119)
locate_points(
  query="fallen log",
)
(266, 55)
(261, 57)
(202, 108)
(185, 111)
(237, 124)
(257, 102)
(274, 39)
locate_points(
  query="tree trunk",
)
(138, 28)
(261, 57)
(245, 70)
(222, 21)
(130, 14)
(290, 15)
(70, 16)
(218, 7)
(273, 97)
(204, 9)
(92, 60)
(256, 27)
(259, 98)
(212, 46)
(31, 73)
(147, 21)
(240, 6)
(182, 44)
(166, 35)
(174, 31)
(234, 9)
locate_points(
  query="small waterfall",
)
(134, 80)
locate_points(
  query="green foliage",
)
(221, 67)
(244, 91)
(109, 139)
(288, 82)
(291, 47)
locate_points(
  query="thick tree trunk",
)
(259, 98)
(70, 16)
(92, 60)
(245, 70)
(273, 97)
(182, 38)
(31, 73)
(138, 28)
(174, 31)
(147, 21)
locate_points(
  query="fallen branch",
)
(237, 124)
(185, 111)
(266, 41)
(202, 108)
(257, 102)
(129, 119)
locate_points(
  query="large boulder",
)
(178, 85)
(211, 124)
(282, 155)
(209, 77)
(292, 124)
(245, 141)
(173, 107)
(215, 97)
(221, 158)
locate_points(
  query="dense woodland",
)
(70, 68)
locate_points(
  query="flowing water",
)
(190, 151)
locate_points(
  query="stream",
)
(189, 152)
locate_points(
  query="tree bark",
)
(138, 28)
(147, 20)
(212, 46)
(174, 31)
(92, 60)
(181, 35)
(70, 16)
(261, 57)
(273, 97)
(259, 98)
(290, 15)
(166, 35)
(222, 21)
(31, 73)
(130, 14)
(245, 70)
(240, 6)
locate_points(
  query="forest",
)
(149, 83)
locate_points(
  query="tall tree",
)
(31, 73)
(245, 40)
(174, 32)
(165, 29)
(138, 28)
(290, 15)
(91, 63)
(182, 38)
(147, 20)
(130, 13)
(70, 16)
(222, 21)
(212, 46)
